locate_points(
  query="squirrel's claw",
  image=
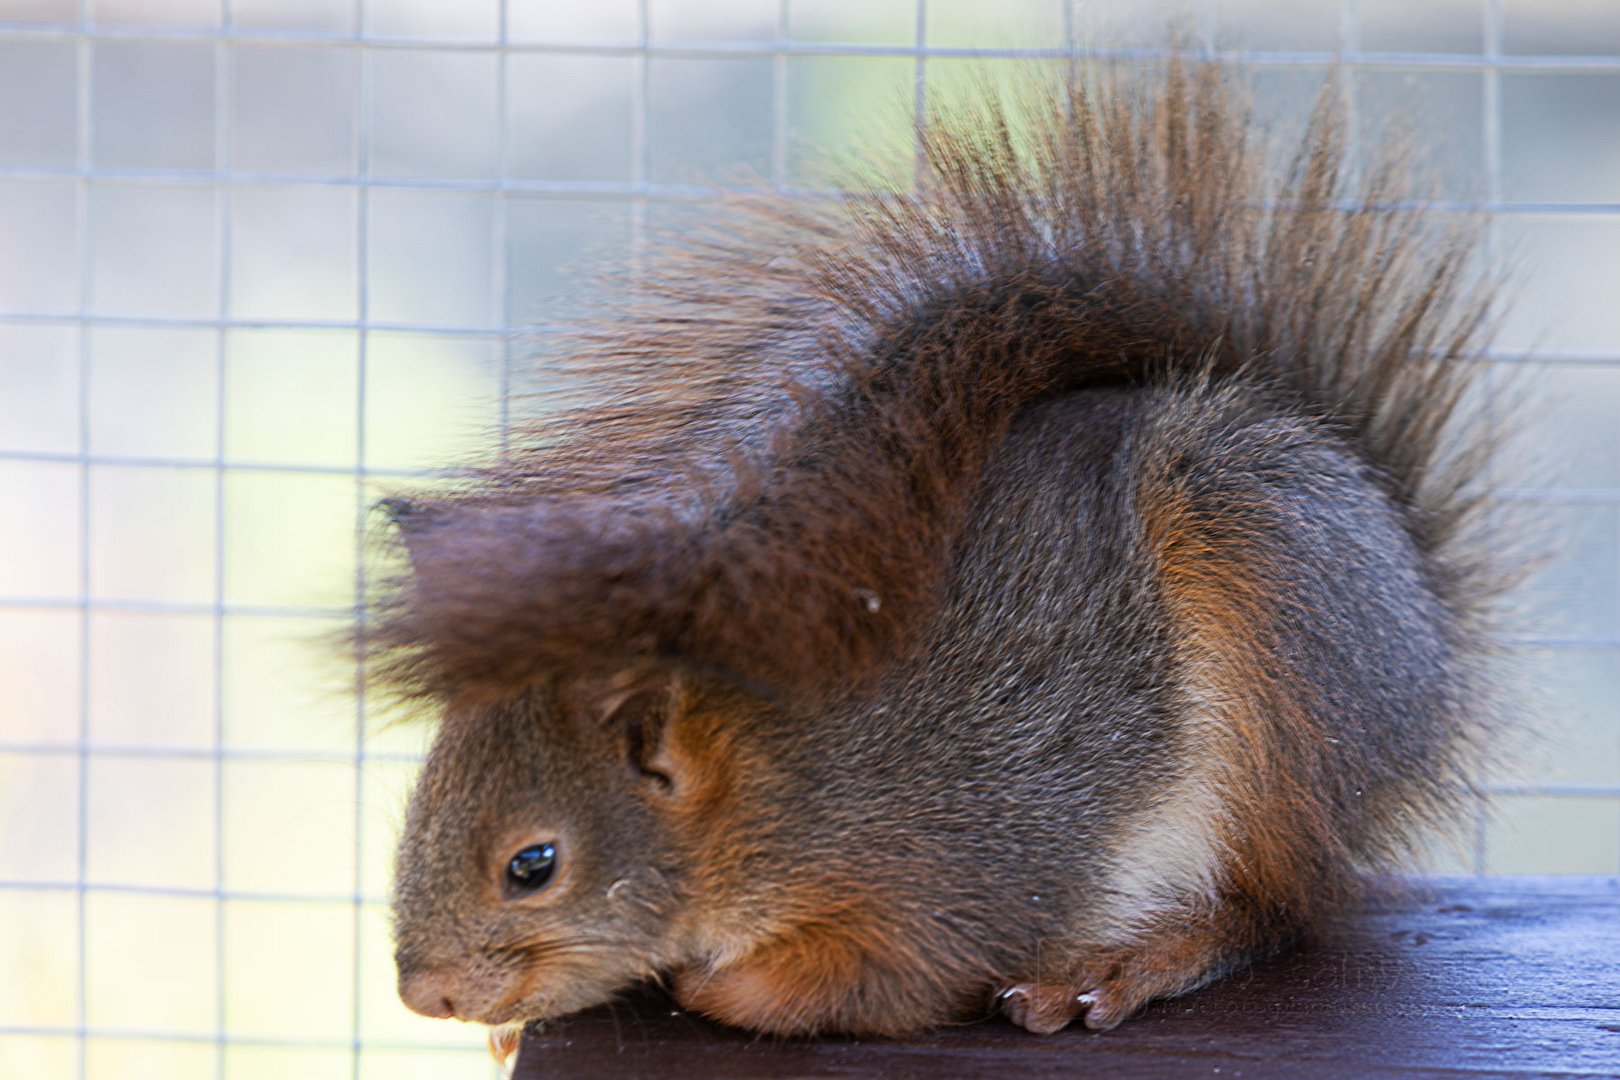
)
(1107, 1006)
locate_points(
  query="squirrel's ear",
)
(640, 708)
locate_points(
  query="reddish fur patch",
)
(1279, 831)
(836, 971)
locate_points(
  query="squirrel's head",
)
(542, 867)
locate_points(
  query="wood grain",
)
(1514, 977)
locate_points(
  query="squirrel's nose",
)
(431, 993)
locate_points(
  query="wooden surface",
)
(1462, 978)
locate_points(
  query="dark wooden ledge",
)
(1462, 978)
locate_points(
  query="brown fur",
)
(1048, 586)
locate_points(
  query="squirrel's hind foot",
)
(1103, 1003)
(1107, 986)
(1041, 1008)
(1108, 991)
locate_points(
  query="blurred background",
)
(262, 259)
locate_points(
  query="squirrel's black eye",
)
(531, 868)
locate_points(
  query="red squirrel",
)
(1038, 588)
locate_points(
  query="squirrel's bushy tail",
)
(770, 452)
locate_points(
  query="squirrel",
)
(1038, 588)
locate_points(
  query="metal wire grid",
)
(639, 191)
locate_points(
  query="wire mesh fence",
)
(261, 258)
